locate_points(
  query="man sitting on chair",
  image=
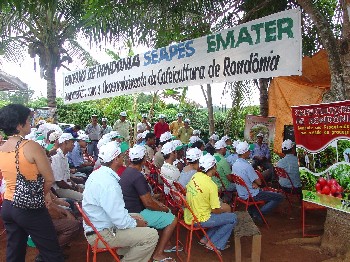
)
(104, 205)
(290, 164)
(243, 169)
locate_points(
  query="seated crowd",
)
(97, 168)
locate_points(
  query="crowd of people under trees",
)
(98, 168)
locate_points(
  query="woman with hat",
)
(202, 196)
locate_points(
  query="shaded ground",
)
(282, 227)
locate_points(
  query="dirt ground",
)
(283, 226)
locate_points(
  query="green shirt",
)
(223, 168)
(185, 134)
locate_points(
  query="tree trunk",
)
(151, 110)
(209, 101)
(50, 76)
(264, 96)
(336, 237)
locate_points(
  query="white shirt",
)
(170, 173)
(103, 201)
(60, 168)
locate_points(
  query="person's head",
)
(288, 147)
(168, 151)
(187, 123)
(114, 136)
(161, 118)
(179, 148)
(144, 117)
(197, 133)
(76, 128)
(83, 140)
(198, 144)
(220, 147)
(137, 156)
(15, 119)
(179, 117)
(227, 140)
(165, 137)
(66, 142)
(94, 119)
(122, 116)
(193, 155)
(259, 138)
(213, 139)
(104, 121)
(242, 149)
(139, 138)
(112, 155)
(150, 139)
(207, 164)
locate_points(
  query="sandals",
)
(212, 249)
(173, 249)
(164, 259)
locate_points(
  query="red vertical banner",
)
(322, 136)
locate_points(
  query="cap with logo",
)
(123, 113)
(137, 152)
(109, 151)
(165, 137)
(242, 147)
(187, 121)
(206, 162)
(161, 116)
(287, 144)
(167, 148)
(220, 144)
(144, 115)
(214, 137)
(179, 115)
(178, 145)
(225, 138)
(193, 154)
(65, 137)
(104, 119)
(84, 137)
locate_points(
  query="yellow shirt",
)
(175, 126)
(202, 197)
(185, 134)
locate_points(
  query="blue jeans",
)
(271, 199)
(92, 149)
(220, 228)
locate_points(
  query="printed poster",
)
(322, 136)
(258, 124)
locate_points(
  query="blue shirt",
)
(290, 164)
(75, 157)
(231, 159)
(71, 131)
(262, 150)
(243, 169)
(103, 201)
(185, 177)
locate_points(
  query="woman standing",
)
(202, 196)
(26, 157)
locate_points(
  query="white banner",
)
(266, 47)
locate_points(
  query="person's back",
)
(290, 164)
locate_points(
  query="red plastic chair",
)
(180, 188)
(195, 226)
(222, 191)
(250, 200)
(169, 201)
(95, 249)
(309, 206)
(281, 173)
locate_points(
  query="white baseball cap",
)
(137, 152)
(287, 144)
(220, 144)
(206, 162)
(139, 127)
(54, 136)
(178, 144)
(109, 151)
(161, 116)
(144, 115)
(187, 121)
(235, 143)
(113, 134)
(214, 137)
(167, 148)
(179, 115)
(165, 137)
(194, 139)
(196, 132)
(65, 137)
(260, 135)
(84, 137)
(242, 147)
(144, 133)
(225, 138)
(139, 136)
(123, 113)
(193, 154)
(104, 119)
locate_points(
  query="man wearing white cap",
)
(93, 130)
(185, 132)
(105, 129)
(222, 167)
(209, 147)
(158, 157)
(123, 126)
(290, 164)
(192, 157)
(64, 186)
(202, 196)
(103, 203)
(243, 169)
(143, 125)
(160, 128)
(176, 125)
(168, 171)
(138, 199)
(261, 154)
(76, 159)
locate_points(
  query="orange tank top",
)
(8, 169)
